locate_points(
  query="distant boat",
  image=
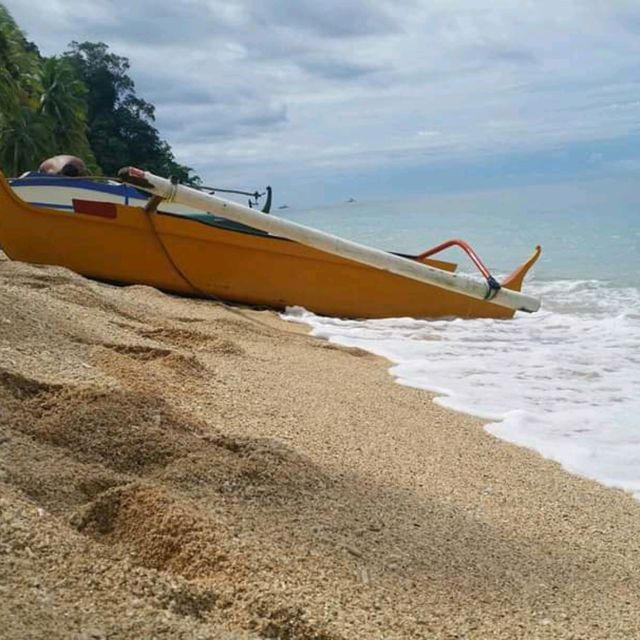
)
(283, 206)
(350, 200)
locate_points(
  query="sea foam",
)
(564, 381)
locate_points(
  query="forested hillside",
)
(81, 102)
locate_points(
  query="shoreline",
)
(176, 468)
(551, 410)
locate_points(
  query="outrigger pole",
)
(173, 192)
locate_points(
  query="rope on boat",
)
(149, 210)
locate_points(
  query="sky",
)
(377, 99)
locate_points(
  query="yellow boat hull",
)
(128, 245)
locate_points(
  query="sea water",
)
(564, 381)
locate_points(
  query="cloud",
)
(221, 119)
(329, 19)
(510, 55)
(332, 68)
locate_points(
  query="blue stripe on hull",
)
(50, 205)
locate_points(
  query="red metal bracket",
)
(465, 247)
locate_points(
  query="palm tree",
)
(23, 136)
(63, 104)
(18, 65)
(25, 140)
(9, 67)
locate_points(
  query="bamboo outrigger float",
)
(201, 255)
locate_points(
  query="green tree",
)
(18, 65)
(25, 140)
(63, 104)
(24, 136)
(81, 103)
(121, 130)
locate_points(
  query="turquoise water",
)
(576, 244)
(564, 381)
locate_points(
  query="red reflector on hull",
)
(93, 208)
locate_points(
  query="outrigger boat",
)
(186, 241)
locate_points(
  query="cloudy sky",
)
(327, 99)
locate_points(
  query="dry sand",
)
(175, 468)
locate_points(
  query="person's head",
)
(70, 170)
(64, 165)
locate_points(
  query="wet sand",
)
(174, 468)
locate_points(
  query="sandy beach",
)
(177, 468)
